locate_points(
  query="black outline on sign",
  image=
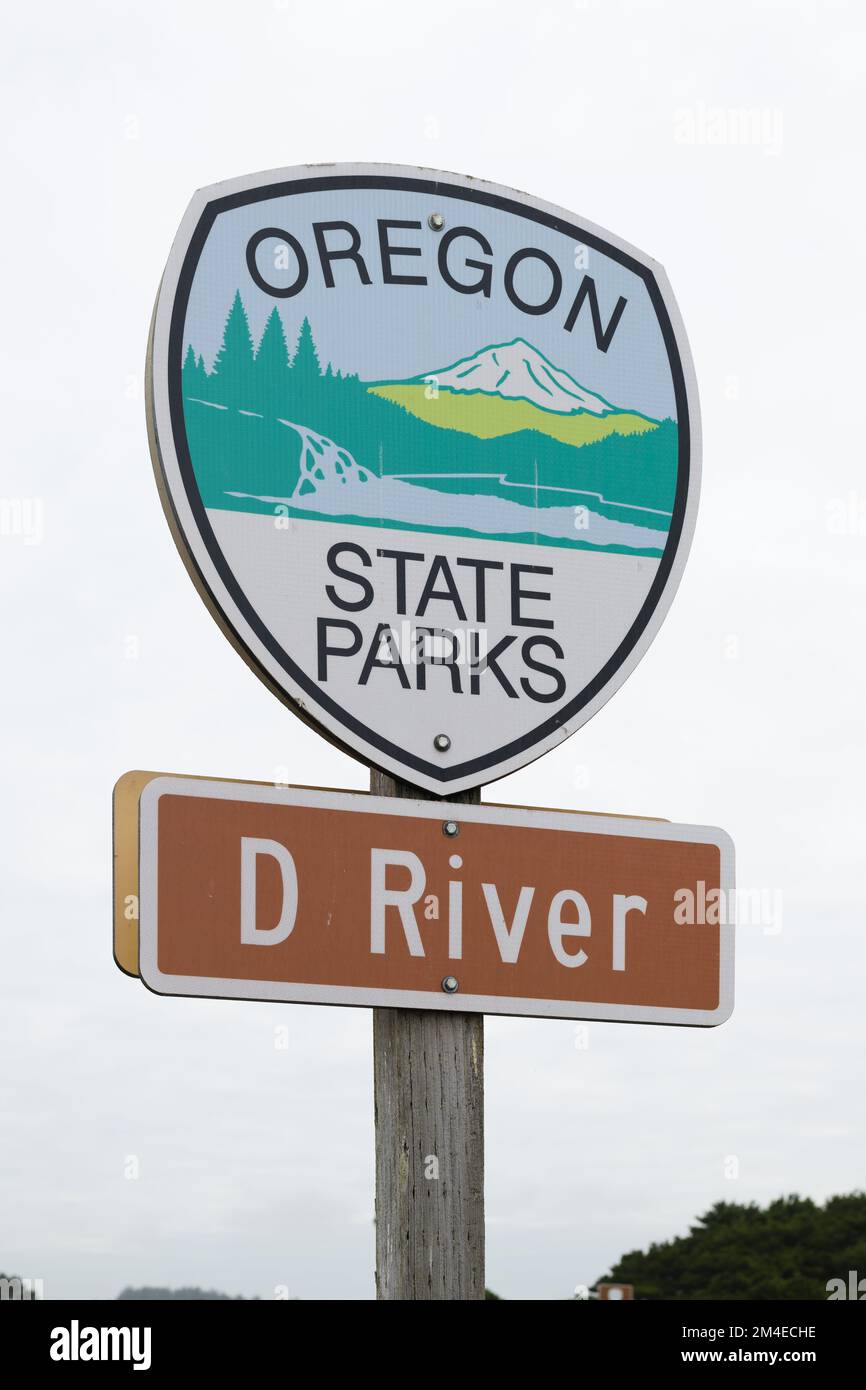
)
(175, 360)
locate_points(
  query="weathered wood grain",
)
(429, 1108)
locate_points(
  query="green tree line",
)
(267, 377)
(789, 1249)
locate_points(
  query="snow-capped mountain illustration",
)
(518, 371)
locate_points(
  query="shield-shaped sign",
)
(429, 448)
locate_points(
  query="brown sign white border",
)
(360, 804)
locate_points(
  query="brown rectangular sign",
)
(257, 892)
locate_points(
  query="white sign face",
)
(429, 448)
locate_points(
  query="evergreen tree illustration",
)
(306, 368)
(190, 376)
(195, 375)
(233, 367)
(271, 366)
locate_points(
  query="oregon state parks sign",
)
(429, 448)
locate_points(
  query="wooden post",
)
(428, 1077)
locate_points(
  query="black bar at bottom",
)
(71, 1338)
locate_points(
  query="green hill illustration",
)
(501, 444)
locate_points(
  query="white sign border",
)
(280, 991)
(201, 565)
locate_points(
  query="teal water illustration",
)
(501, 444)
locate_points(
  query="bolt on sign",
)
(429, 448)
(257, 892)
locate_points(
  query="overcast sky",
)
(256, 1163)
